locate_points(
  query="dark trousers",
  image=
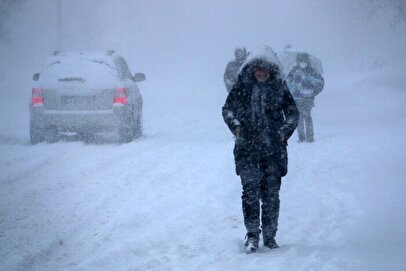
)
(305, 121)
(261, 186)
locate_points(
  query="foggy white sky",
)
(167, 39)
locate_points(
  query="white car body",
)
(80, 92)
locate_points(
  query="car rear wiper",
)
(102, 62)
(72, 79)
(53, 63)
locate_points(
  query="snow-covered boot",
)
(270, 243)
(251, 245)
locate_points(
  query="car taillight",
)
(37, 96)
(120, 96)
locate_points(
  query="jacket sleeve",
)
(228, 77)
(318, 83)
(292, 83)
(229, 111)
(290, 112)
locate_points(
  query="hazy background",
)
(186, 44)
(170, 40)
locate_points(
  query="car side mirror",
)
(138, 77)
(35, 76)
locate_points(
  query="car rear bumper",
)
(81, 121)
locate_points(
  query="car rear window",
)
(89, 71)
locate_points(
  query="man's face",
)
(261, 74)
(240, 56)
(303, 64)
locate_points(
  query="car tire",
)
(126, 130)
(36, 133)
(51, 134)
(138, 126)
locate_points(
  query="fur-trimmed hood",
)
(263, 57)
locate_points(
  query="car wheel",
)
(36, 133)
(51, 134)
(138, 127)
(126, 130)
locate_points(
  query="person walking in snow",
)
(230, 74)
(262, 115)
(305, 83)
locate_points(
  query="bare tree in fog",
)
(8, 8)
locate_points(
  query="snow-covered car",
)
(85, 93)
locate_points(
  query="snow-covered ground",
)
(171, 201)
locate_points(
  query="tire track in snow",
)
(38, 200)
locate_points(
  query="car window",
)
(80, 69)
(122, 68)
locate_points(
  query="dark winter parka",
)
(259, 143)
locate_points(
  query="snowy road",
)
(171, 200)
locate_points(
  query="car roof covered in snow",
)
(94, 69)
(72, 56)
